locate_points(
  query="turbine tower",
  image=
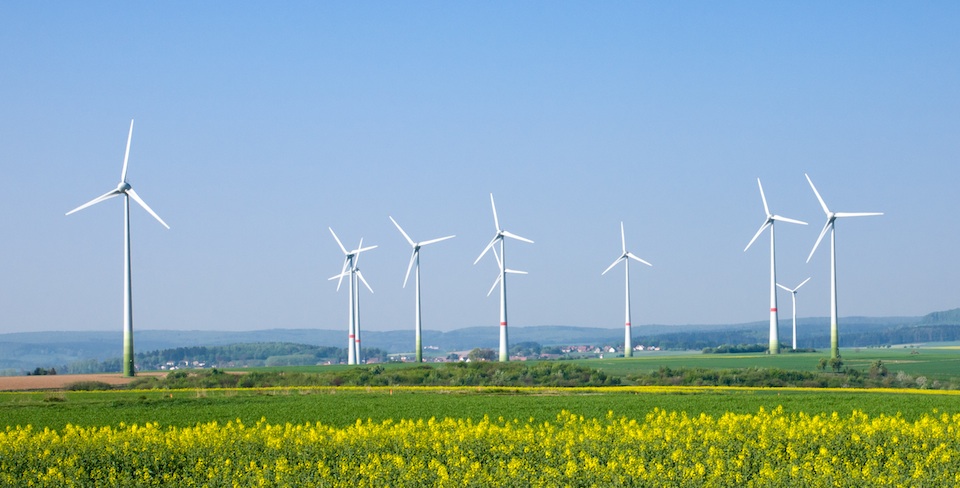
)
(358, 278)
(831, 218)
(127, 191)
(626, 257)
(793, 295)
(350, 270)
(502, 279)
(415, 261)
(768, 222)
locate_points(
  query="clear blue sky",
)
(258, 125)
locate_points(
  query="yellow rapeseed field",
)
(769, 448)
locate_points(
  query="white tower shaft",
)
(504, 352)
(356, 327)
(351, 326)
(793, 296)
(418, 324)
(834, 327)
(774, 317)
(128, 357)
(627, 339)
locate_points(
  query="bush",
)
(89, 386)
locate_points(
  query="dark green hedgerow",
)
(554, 374)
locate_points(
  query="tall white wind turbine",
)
(350, 270)
(502, 279)
(415, 262)
(626, 256)
(127, 191)
(768, 222)
(793, 295)
(831, 218)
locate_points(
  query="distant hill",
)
(948, 317)
(24, 351)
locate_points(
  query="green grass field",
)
(938, 362)
(342, 406)
(933, 362)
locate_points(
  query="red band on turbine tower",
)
(773, 309)
(503, 324)
(628, 324)
(352, 336)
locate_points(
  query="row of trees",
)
(549, 374)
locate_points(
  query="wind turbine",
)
(124, 188)
(626, 257)
(831, 218)
(768, 222)
(502, 279)
(350, 270)
(793, 294)
(415, 260)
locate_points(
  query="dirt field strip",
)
(60, 381)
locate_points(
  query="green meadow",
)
(342, 406)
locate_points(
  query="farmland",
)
(489, 436)
(629, 436)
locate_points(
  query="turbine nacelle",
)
(771, 218)
(626, 254)
(123, 188)
(500, 233)
(831, 217)
(416, 248)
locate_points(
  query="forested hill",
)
(947, 317)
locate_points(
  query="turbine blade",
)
(356, 254)
(514, 271)
(634, 257)
(360, 275)
(822, 233)
(413, 257)
(763, 197)
(405, 236)
(338, 241)
(431, 241)
(785, 288)
(126, 154)
(801, 284)
(495, 282)
(857, 214)
(497, 257)
(612, 265)
(785, 219)
(487, 248)
(335, 277)
(514, 236)
(815, 192)
(136, 198)
(755, 236)
(106, 196)
(623, 238)
(362, 249)
(343, 272)
(496, 221)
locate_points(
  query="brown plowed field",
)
(60, 381)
